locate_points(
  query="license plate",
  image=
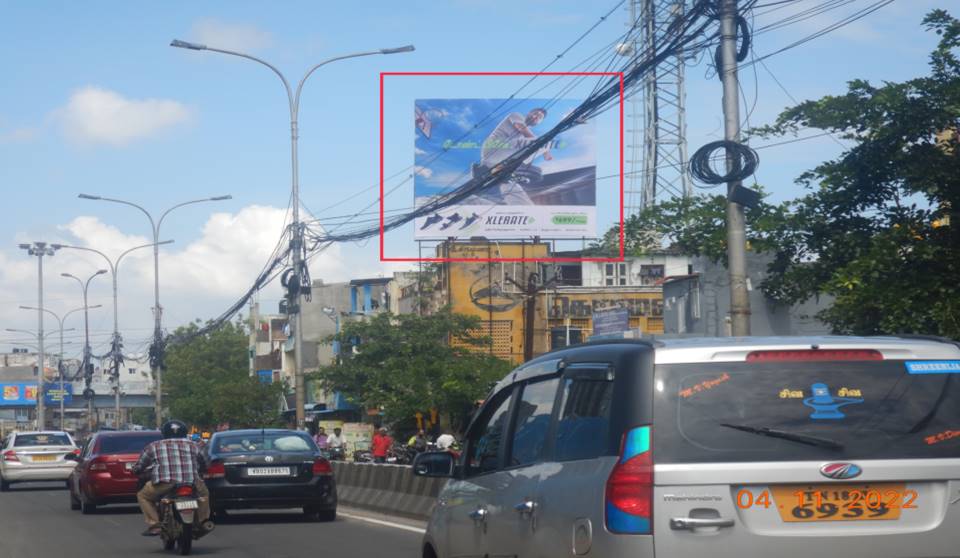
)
(186, 504)
(39, 458)
(842, 502)
(268, 471)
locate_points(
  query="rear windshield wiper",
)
(792, 436)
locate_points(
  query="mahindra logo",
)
(840, 471)
(268, 459)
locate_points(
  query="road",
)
(36, 522)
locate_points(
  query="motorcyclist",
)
(171, 461)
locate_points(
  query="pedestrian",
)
(335, 440)
(320, 437)
(381, 445)
(418, 441)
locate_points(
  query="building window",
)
(651, 275)
(615, 275)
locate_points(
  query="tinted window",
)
(866, 410)
(270, 441)
(533, 421)
(42, 440)
(126, 444)
(584, 422)
(486, 437)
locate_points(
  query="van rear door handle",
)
(691, 523)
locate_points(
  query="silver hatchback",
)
(730, 447)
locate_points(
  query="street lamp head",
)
(88, 197)
(27, 307)
(24, 246)
(94, 306)
(165, 242)
(184, 44)
(67, 275)
(100, 272)
(407, 48)
(221, 198)
(58, 246)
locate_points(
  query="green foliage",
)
(406, 363)
(868, 231)
(207, 381)
(694, 226)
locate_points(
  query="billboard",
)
(552, 194)
(21, 394)
(611, 321)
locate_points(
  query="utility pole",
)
(39, 249)
(530, 292)
(299, 266)
(736, 224)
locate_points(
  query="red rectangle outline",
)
(383, 257)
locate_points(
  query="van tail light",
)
(10, 455)
(215, 470)
(184, 491)
(629, 492)
(322, 467)
(98, 464)
(76, 452)
(814, 355)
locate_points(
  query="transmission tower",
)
(657, 149)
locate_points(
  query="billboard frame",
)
(383, 256)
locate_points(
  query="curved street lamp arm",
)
(51, 312)
(283, 78)
(164, 214)
(131, 204)
(95, 251)
(296, 100)
(120, 257)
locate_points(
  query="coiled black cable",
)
(743, 51)
(746, 161)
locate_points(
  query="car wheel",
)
(74, 502)
(327, 515)
(87, 508)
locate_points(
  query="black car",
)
(254, 469)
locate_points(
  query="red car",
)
(103, 474)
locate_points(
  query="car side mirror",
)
(439, 464)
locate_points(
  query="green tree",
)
(872, 230)
(207, 381)
(407, 363)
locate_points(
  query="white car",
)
(36, 456)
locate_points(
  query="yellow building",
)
(495, 293)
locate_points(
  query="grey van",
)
(720, 447)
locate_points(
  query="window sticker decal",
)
(934, 367)
(942, 437)
(705, 385)
(827, 407)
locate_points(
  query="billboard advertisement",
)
(21, 394)
(552, 194)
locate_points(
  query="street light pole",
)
(155, 365)
(114, 269)
(296, 227)
(84, 286)
(39, 249)
(60, 360)
(37, 347)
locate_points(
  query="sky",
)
(95, 101)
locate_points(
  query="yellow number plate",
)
(44, 458)
(842, 502)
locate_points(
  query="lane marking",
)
(384, 523)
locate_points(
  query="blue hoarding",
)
(20, 394)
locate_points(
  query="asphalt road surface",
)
(36, 522)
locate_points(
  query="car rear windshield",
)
(784, 411)
(270, 441)
(24, 440)
(126, 444)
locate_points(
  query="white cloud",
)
(418, 151)
(230, 36)
(423, 171)
(95, 115)
(198, 279)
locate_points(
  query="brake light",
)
(10, 455)
(76, 452)
(216, 470)
(629, 491)
(814, 355)
(98, 464)
(322, 467)
(184, 491)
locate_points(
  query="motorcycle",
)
(333, 454)
(179, 522)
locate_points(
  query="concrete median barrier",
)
(389, 489)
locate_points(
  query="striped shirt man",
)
(177, 461)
